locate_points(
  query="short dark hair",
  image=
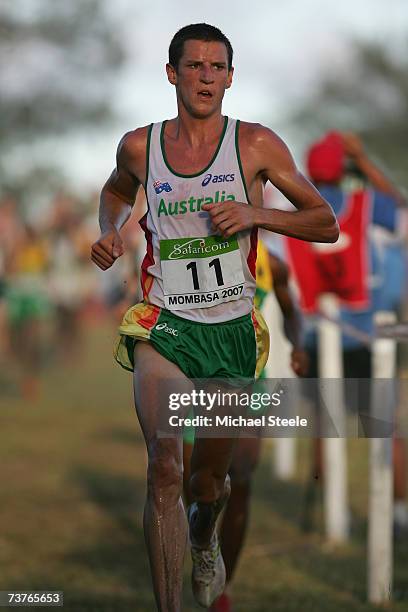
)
(197, 31)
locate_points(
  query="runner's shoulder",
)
(264, 148)
(132, 145)
(259, 137)
(131, 152)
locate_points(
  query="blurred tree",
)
(370, 98)
(57, 63)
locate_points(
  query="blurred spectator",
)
(9, 232)
(27, 304)
(71, 282)
(46, 285)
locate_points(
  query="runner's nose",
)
(206, 75)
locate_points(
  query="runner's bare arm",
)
(118, 196)
(292, 318)
(270, 159)
(314, 219)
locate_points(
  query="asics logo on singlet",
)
(217, 178)
(159, 186)
(169, 330)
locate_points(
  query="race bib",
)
(201, 272)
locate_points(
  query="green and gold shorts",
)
(235, 349)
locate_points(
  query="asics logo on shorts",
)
(159, 187)
(169, 330)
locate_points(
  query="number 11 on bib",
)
(201, 272)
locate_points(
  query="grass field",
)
(72, 491)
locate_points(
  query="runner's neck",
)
(195, 133)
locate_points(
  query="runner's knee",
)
(207, 484)
(164, 473)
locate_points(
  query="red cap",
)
(325, 159)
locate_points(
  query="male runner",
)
(203, 174)
(272, 274)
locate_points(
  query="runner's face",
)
(202, 77)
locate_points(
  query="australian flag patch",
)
(159, 186)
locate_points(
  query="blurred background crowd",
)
(49, 290)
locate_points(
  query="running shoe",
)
(208, 575)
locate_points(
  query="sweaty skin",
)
(200, 80)
(264, 157)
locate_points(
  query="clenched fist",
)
(107, 249)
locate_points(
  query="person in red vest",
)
(362, 197)
(360, 194)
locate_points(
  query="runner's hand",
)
(299, 362)
(107, 249)
(230, 217)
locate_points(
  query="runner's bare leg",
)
(236, 516)
(165, 524)
(209, 485)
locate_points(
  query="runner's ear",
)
(171, 74)
(229, 78)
